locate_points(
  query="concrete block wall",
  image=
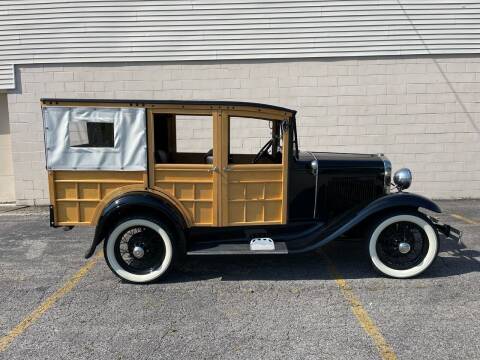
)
(422, 112)
(7, 181)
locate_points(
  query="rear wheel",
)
(403, 245)
(139, 249)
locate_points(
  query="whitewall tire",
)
(149, 231)
(403, 245)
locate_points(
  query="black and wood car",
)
(164, 179)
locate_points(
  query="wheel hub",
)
(138, 252)
(404, 247)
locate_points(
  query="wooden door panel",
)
(254, 195)
(192, 185)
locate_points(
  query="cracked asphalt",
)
(235, 307)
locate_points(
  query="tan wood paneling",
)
(215, 194)
(193, 186)
(78, 195)
(254, 194)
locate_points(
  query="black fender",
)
(320, 234)
(132, 203)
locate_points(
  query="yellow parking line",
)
(464, 219)
(385, 350)
(20, 328)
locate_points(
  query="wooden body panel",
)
(254, 195)
(78, 195)
(192, 185)
(215, 194)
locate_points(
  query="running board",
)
(234, 249)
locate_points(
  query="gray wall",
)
(422, 112)
(61, 32)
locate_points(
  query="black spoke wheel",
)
(402, 245)
(146, 239)
(140, 249)
(401, 235)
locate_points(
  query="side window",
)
(183, 139)
(83, 133)
(254, 141)
(89, 138)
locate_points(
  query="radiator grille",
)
(344, 193)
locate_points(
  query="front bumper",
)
(448, 230)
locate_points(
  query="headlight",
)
(403, 178)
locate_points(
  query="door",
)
(183, 162)
(253, 169)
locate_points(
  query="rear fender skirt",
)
(320, 235)
(130, 204)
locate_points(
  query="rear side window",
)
(89, 138)
(91, 134)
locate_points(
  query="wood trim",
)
(244, 223)
(203, 171)
(115, 193)
(217, 163)
(186, 215)
(280, 170)
(223, 139)
(183, 167)
(255, 167)
(93, 181)
(190, 110)
(138, 188)
(51, 193)
(151, 149)
(51, 187)
(186, 109)
(257, 114)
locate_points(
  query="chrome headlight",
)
(403, 178)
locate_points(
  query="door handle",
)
(227, 169)
(213, 169)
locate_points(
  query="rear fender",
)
(136, 203)
(317, 236)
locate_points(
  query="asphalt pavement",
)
(259, 307)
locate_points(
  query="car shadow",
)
(348, 257)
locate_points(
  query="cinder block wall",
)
(7, 182)
(423, 112)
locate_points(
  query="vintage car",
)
(164, 179)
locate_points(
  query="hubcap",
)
(138, 252)
(404, 247)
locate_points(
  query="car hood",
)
(328, 159)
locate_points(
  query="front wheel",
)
(403, 245)
(139, 250)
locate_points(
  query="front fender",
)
(401, 199)
(320, 235)
(131, 204)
